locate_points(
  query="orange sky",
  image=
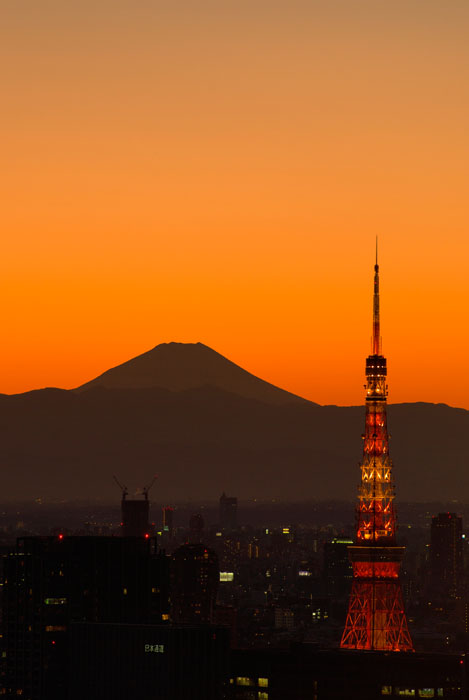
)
(217, 171)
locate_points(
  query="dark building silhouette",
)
(337, 567)
(227, 616)
(306, 672)
(196, 528)
(135, 512)
(228, 512)
(148, 662)
(49, 582)
(195, 577)
(168, 521)
(446, 558)
(135, 518)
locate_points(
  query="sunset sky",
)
(217, 171)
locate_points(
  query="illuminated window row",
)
(250, 682)
(412, 692)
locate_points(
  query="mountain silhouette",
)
(182, 366)
(203, 438)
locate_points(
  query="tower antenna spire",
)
(376, 343)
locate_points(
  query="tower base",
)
(376, 619)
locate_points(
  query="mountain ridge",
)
(181, 366)
(67, 444)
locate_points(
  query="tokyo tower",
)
(376, 619)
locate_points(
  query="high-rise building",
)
(135, 512)
(376, 618)
(337, 567)
(49, 582)
(135, 518)
(228, 512)
(446, 561)
(168, 521)
(196, 528)
(195, 576)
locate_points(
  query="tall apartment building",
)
(228, 512)
(446, 556)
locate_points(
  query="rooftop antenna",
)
(376, 341)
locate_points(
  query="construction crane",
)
(146, 489)
(122, 488)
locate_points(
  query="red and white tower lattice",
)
(376, 619)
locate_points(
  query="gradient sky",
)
(217, 171)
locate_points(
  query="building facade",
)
(49, 582)
(195, 577)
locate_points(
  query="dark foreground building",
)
(306, 673)
(148, 662)
(49, 582)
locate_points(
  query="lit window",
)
(262, 696)
(405, 692)
(426, 692)
(386, 690)
(263, 682)
(226, 576)
(55, 628)
(242, 680)
(165, 616)
(124, 591)
(154, 648)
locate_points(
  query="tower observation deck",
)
(376, 619)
